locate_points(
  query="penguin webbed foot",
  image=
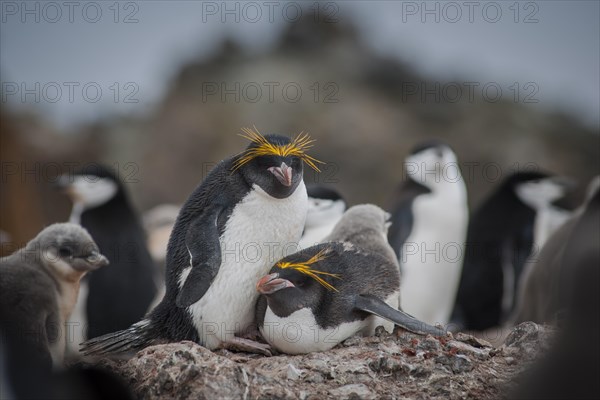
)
(247, 346)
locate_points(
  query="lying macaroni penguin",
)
(227, 235)
(320, 296)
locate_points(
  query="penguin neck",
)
(116, 212)
(76, 211)
(506, 211)
(450, 188)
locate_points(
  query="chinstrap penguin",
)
(119, 295)
(249, 212)
(500, 239)
(541, 195)
(429, 224)
(538, 299)
(40, 285)
(325, 209)
(318, 297)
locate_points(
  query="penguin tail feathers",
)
(136, 337)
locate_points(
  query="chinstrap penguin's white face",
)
(541, 193)
(321, 211)
(90, 191)
(433, 166)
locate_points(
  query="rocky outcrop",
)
(400, 365)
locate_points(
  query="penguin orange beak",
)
(271, 283)
(283, 174)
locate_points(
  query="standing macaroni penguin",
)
(244, 216)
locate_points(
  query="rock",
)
(526, 341)
(473, 341)
(293, 373)
(388, 366)
(456, 347)
(526, 332)
(358, 391)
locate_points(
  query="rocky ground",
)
(401, 365)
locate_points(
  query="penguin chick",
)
(325, 209)
(320, 296)
(40, 285)
(365, 226)
(244, 216)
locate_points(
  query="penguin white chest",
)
(260, 230)
(299, 332)
(432, 255)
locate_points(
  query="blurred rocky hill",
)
(361, 108)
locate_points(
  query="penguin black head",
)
(432, 162)
(91, 186)
(274, 162)
(66, 248)
(321, 192)
(538, 189)
(297, 283)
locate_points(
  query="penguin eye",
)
(65, 252)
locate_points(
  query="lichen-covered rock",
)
(399, 365)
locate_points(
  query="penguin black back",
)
(500, 236)
(220, 189)
(402, 215)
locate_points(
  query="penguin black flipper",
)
(202, 242)
(374, 305)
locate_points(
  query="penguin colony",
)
(329, 272)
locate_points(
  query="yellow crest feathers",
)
(305, 268)
(297, 147)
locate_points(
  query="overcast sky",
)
(554, 44)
